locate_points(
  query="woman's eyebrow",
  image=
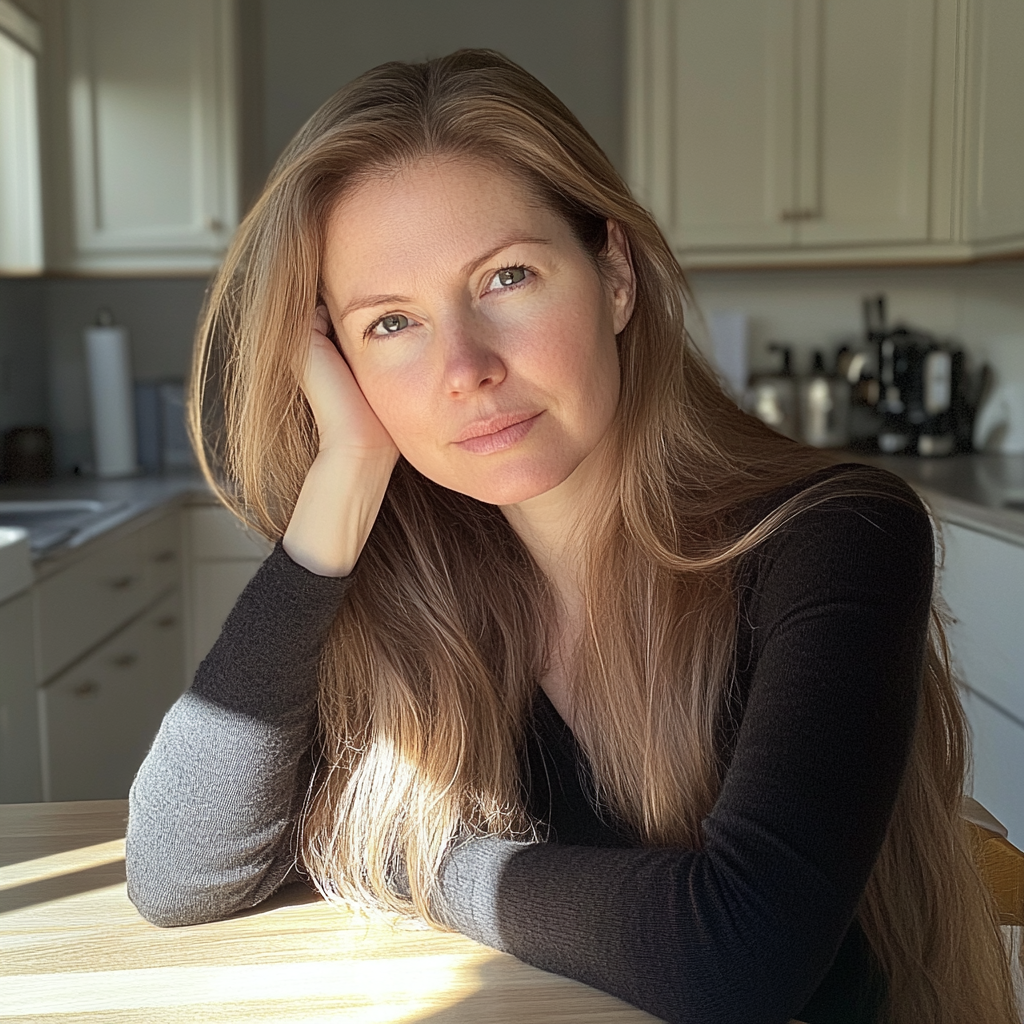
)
(506, 244)
(368, 301)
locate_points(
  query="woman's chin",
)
(509, 488)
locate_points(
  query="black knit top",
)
(757, 927)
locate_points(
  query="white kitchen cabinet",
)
(864, 86)
(109, 583)
(753, 122)
(101, 715)
(109, 652)
(713, 138)
(151, 175)
(994, 154)
(223, 557)
(20, 765)
(982, 582)
(828, 131)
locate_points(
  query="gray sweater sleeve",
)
(212, 810)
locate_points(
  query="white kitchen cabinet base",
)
(998, 743)
(20, 778)
(101, 715)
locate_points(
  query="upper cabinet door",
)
(994, 165)
(152, 123)
(864, 96)
(775, 132)
(711, 119)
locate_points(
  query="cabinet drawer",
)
(159, 546)
(79, 606)
(101, 715)
(215, 533)
(983, 584)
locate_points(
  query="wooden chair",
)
(1000, 862)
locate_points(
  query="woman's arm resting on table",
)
(212, 810)
(747, 928)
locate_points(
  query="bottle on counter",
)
(824, 407)
(772, 397)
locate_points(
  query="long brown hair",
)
(433, 659)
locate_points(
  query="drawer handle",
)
(124, 660)
(167, 621)
(163, 557)
(800, 214)
(122, 583)
(87, 689)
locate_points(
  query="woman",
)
(557, 647)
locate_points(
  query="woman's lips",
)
(484, 444)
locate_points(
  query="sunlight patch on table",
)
(40, 868)
(386, 991)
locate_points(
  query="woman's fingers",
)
(343, 416)
(321, 320)
(345, 485)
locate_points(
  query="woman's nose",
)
(471, 360)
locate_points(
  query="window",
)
(21, 214)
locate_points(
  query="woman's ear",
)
(618, 270)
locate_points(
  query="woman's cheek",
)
(399, 400)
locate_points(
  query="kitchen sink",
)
(51, 523)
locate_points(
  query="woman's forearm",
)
(213, 807)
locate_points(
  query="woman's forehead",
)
(435, 181)
(433, 207)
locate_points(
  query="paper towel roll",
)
(111, 391)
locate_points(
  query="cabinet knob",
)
(167, 621)
(87, 689)
(214, 224)
(124, 660)
(162, 557)
(122, 582)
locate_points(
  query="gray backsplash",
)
(42, 363)
(23, 386)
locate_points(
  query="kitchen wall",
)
(160, 314)
(312, 47)
(822, 308)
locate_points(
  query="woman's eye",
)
(390, 324)
(508, 276)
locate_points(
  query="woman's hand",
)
(344, 419)
(345, 486)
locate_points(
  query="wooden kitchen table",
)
(74, 949)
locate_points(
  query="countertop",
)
(73, 948)
(135, 497)
(973, 490)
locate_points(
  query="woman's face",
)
(479, 330)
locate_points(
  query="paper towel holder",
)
(111, 392)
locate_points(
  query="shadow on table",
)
(72, 883)
(297, 894)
